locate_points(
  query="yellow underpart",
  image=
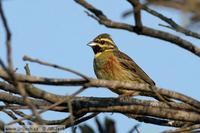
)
(98, 54)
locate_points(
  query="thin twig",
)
(10, 69)
(104, 83)
(2, 126)
(184, 129)
(18, 107)
(8, 38)
(137, 14)
(70, 108)
(26, 58)
(83, 119)
(135, 128)
(147, 31)
(158, 110)
(51, 106)
(27, 101)
(9, 113)
(172, 23)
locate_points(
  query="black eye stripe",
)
(97, 49)
(102, 42)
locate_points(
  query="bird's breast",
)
(107, 67)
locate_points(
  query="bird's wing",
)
(129, 64)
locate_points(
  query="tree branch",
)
(145, 89)
(137, 14)
(26, 58)
(102, 19)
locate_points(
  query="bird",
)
(111, 64)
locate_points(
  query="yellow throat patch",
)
(98, 54)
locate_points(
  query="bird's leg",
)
(126, 96)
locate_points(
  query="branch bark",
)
(147, 31)
(20, 92)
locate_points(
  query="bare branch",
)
(145, 89)
(137, 14)
(21, 92)
(102, 19)
(51, 106)
(135, 128)
(10, 69)
(184, 6)
(27, 101)
(9, 113)
(130, 106)
(83, 119)
(1, 125)
(158, 121)
(185, 129)
(9, 98)
(8, 37)
(26, 58)
(172, 23)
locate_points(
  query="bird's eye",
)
(102, 42)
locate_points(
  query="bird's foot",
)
(124, 97)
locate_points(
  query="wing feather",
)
(129, 64)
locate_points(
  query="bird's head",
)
(102, 43)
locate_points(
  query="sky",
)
(58, 31)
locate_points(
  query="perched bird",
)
(112, 64)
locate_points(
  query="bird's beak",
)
(91, 44)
